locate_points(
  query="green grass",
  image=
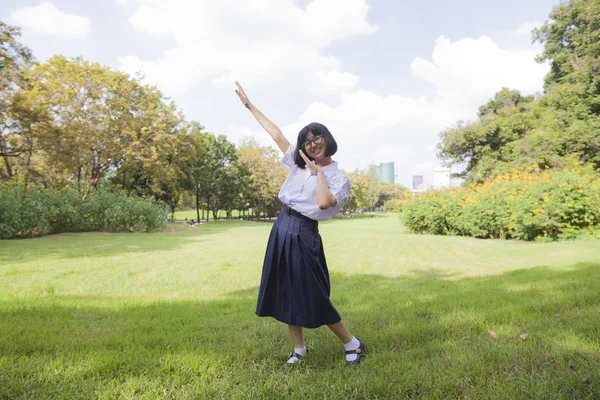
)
(171, 315)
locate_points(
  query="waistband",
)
(290, 211)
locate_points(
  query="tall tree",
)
(197, 149)
(106, 121)
(15, 58)
(572, 46)
(266, 173)
(561, 126)
(488, 142)
(365, 189)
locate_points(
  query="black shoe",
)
(360, 352)
(294, 354)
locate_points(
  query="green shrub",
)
(42, 212)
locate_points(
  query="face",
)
(315, 146)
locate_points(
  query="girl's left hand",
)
(310, 164)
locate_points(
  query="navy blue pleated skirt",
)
(295, 286)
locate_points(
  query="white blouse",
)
(299, 191)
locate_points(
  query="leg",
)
(350, 342)
(340, 330)
(297, 336)
(299, 349)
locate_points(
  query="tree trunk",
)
(28, 165)
(8, 167)
(207, 208)
(4, 151)
(198, 205)
(79, 179)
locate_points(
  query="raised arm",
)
(269, 126)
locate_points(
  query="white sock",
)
(352, 345)
(299, 350)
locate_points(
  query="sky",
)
(385, 76)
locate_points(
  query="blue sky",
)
(385, 76)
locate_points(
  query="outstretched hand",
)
(310, 164)
(240, 92)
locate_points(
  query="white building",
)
(441, 178)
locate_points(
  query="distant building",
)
(441, 178)
(385, 172)
(418, 182)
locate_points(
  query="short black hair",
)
(316, 129)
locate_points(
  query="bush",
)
(525, 205)
(393, 205)
(41, 212)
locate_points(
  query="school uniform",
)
(295, 284)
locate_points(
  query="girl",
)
(295, 286)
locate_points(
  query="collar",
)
(333, 166)
(328, 169)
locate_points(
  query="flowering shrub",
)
(527, 205)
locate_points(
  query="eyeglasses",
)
(314, 141)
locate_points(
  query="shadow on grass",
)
(429, 338)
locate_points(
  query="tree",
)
(365, 191)
(486, 143)
(561, 126)
(572, 87)
(390, 191)
(31, 123)
(14, 60)
(214, 180)
(572, 46)
(107, 122)
(197, 149)
(266, 175)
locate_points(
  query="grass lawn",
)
(171, 315)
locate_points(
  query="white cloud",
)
(464, 74)
(260, 42)
(478, 66)
(331, 81)
(47, 19)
